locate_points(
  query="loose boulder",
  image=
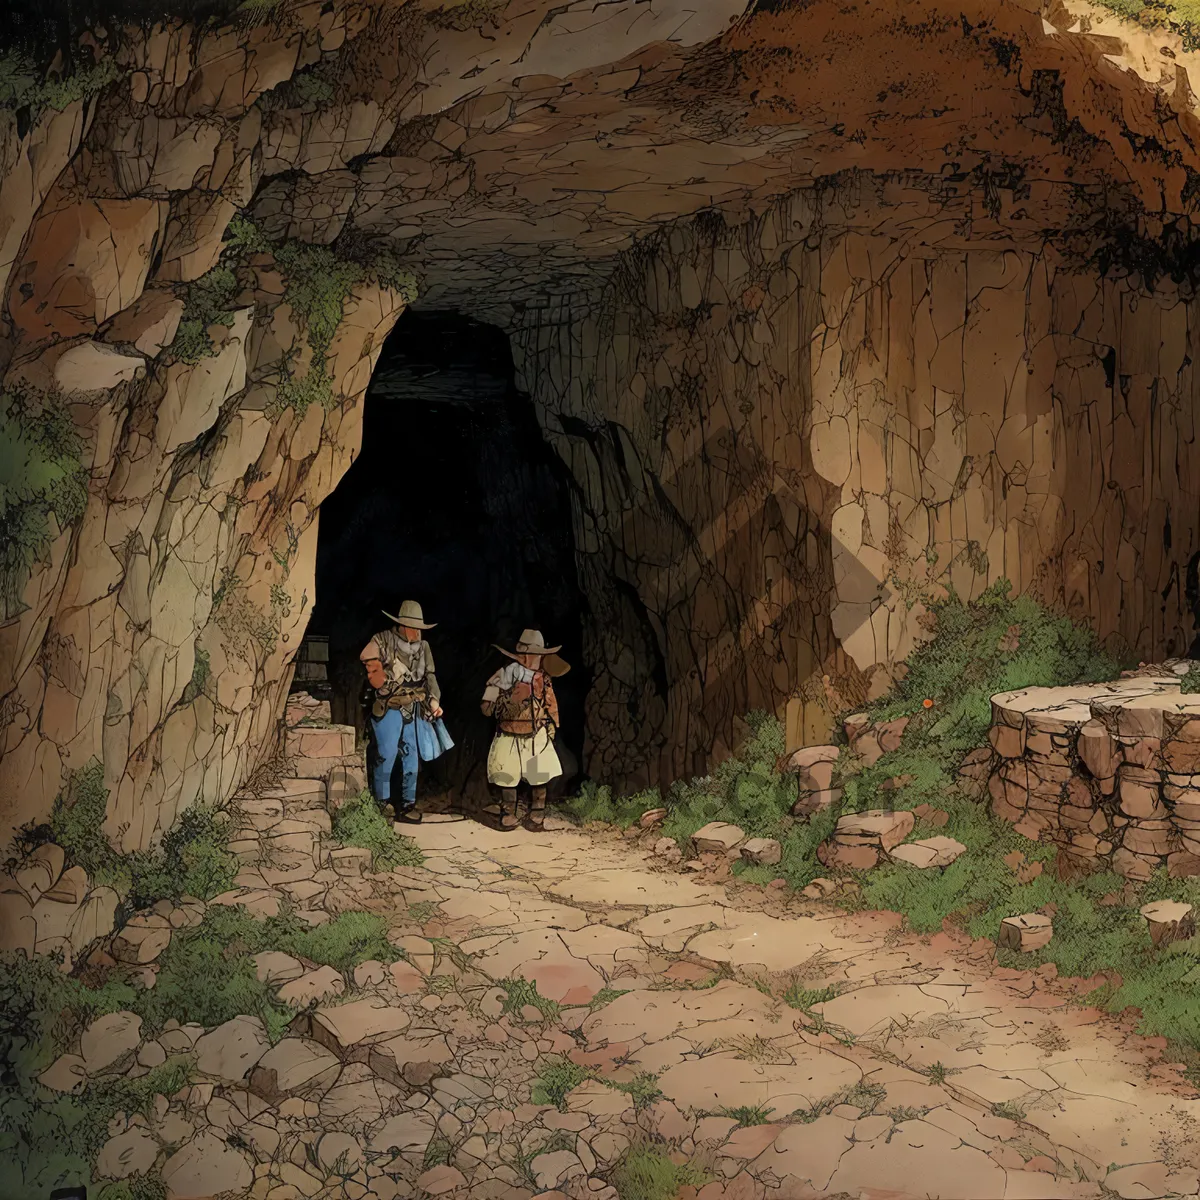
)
(1169, 921)
(231, 1050)
(1028, 932)
(718, 837)
(108, 1039)
(862, 839)
(762, 852)
(930, 852)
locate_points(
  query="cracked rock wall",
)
(786, 436)
(156, 633)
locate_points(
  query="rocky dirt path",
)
(929, 1074)
(572, 1017)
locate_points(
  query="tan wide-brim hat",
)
(410, 615)
(532, 642)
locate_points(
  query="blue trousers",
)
(396, 738)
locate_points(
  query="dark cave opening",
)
(455, 501)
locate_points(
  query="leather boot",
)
(535, 822)
(508, 808)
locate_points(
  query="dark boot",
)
(535, 822)
(508, 808)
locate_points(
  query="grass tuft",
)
(557, 1078)
(646, 1173)
(520, 992)
(360, 822)
(748, 1114)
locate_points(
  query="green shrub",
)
(360, 822)
(1189, 684)
(207, 975)
(201, 673)
(595, 802)
(193, 860)
(43, 487)
(642, 1089)
(319, 280)
(749, 1114)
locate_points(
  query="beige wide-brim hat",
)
(532, 642)
(410, 615)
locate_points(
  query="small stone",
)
(314, 985)
(230, 1051)
(273, 966)
(1169, 921)
(369, 974)
(556, 1167)
(931, 852)
(108, 1039)
(151, 1055)
(351, 862)
(717, 837)
(1025, 933)
(819, 888)
(144, 937)
(206, 1166)
(65, 1074)
(339, 1152)
(130, 1153)
(763, 852)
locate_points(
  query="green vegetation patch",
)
(646, 1173)
(319, 280)
(43, 487)
(193, 858)
(360, 822)
(22, 85)
(208, 301)
(1180, 16)
(47, 1139)
(207, 974)
(520, 993)
(558, 1077)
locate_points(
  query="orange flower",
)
(926, 703)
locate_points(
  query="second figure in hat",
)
(521, 698)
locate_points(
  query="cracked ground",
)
(571, 1017)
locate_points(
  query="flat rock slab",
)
(723, 1080)
(761, 940)
(653, 1016)
(931, 852)
(628, 888)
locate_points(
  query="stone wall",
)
(1108, 772)
(788, 434)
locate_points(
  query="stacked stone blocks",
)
(1109, 772)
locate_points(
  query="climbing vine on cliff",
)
(43, 487)
(319, 281)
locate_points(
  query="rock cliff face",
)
(917, 337)
(790, 433)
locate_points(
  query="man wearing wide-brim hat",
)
(406, 712)
(521, 698)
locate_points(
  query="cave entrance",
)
(455, 501)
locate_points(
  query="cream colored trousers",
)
(530, 757)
